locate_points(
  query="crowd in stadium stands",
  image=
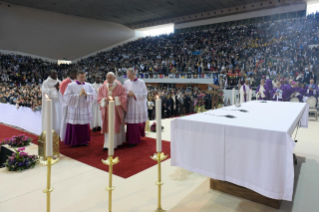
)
(175, 101)
(29, 95)
(277, 50)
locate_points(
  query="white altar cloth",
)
(253, 150)
(23, 117)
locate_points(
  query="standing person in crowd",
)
(63, 86)
(175, 105)
(136, 108)
(118, 93)
(187, 103)
(96, 122)
(50, 89)
(150, 108)
(168, 106)
(78, 96)
(314, 77)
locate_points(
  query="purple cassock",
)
(313, 92)
(280, 96)
(79, 114)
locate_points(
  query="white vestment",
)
(64, 107)
(261, 90)
(248, 95)
(79, 107)
(53, 94)
(97, 118)
(136, 107)
(119, 138)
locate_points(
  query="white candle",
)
(158, 125)
(250, 94)
(48, 125)
(233, 96)
(111, 126)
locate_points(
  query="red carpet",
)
(132, 160)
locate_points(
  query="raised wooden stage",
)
(245, 193)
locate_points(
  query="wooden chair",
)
(294, 99)
(312, 102)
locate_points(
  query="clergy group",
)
(278, 91)
(78, 107)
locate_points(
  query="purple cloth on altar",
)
(134, 132)
(77, 134)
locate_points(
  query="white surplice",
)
(64, 107)
(53, 94)
(241, 91)
(136, 107)
(79, 107)
(97, 118)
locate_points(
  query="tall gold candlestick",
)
(110, 162)
(49, 189)
(159, 157)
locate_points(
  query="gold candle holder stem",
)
(49, 189)
(159, 157)
(110, 162)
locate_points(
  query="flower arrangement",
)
(200, 103)
(20, 160)
(220, 98)
(17, 141)
(153, 127)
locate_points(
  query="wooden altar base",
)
(242, 192)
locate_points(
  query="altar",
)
(249, 146)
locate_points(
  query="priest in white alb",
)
(136, 115)
(245, 92)
(96, 122)
(78, 96)
(50, 88)
(118, 94)
(64, 106)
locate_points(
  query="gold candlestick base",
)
(110, 162)
(159, 157)
(160, 210)
(45, 162)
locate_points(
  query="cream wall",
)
(54, 35)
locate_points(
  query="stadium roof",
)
(136, 13)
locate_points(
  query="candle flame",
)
(47, 97)
(111, 98)
(157, 97)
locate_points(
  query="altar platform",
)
(80, 187)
